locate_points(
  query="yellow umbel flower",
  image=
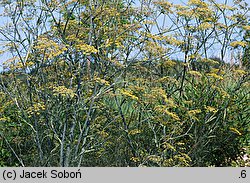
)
(134, 132)
(101, 81)
(103, 134)
(172, 115)
(234, 130)
(63, 91)
(194, 73)
(154, 158)
(215, 76)
(246, 27)
(238, 43)
(85, 48)
(205, 26)
(240, 72)
(165, 5)
(128, 94)
(211, 109)
(135, 159)
(194, 112)
(48, 47)
(195, 2)
(36, 109)
(3, 119)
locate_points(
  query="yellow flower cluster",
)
(211, 109)
(154, 158)
(194, 112)
(235, 131)
(170, 102)
(152, 36)
(3, 119)
(117, 42)
(209, 61)
(167, 145)
(238, 43)
(135, 159)
(85, 48)
(233, 18)
(195, 73)
(180, 7)
(6, 104)
(215, 76)
(203, 13)
(150, 98)
(134, 132)
(154, 48)
(240, 72)
(214, 70)
(172, 40)
(183, 159)
(163, 109)
(168, 79)
(225, 6)
(196, 9)
(68, 3)
(20, 65)
(246, 85)
(101, 81)
(103, 134)
(49, 48)
(29, 64)
(36, 109)
(217, 71)
(17, 65)
(165, 5)
(168, 162)
(159, 93)
(172, 115)
(194, 56)
(128, 94)
(188, 102)
(205, 26)
(168, 63)
(197, 2)
(137, 89)
(246, 27)
(110, 12)
(63, 91)
(184, 12)
(149, 22)
(160, 108)
(221, 26)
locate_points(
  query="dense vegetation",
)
(99, 83)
